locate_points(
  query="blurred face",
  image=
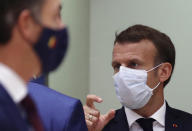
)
(49, 17)
(51, 14)
(43, 33)
(53, 40)
(37, 34)
(138, 55)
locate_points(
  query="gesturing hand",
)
(95, 121)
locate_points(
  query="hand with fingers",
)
(95, 121)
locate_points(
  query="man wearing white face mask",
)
(131, 87)
(143, 62)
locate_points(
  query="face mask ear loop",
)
(155, 67)
(156, 86)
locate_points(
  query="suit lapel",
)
(120, 120)
(172, 122)
(9, 108)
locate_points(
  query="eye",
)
(116, 67)
(133, 65)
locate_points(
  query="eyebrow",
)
(114, 63)
(136, 60)
(130, 60)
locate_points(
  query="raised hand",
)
(95, 121)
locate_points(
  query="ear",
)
(28, 27)
(164, 72)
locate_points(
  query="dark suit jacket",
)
(57, 111)
(10, 117)
(175, 120)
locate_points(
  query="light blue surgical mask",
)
(131, 87)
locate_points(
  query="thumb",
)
(107, 117)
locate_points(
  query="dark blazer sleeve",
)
(77, 119)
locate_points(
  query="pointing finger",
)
(91, 99)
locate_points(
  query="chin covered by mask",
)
(131, 87)
(51, 48)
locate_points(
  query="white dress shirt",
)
(12, 83)
(158, 124)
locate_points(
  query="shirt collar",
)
(12, 83)
(159, 115)
(131, 116)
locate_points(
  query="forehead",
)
(143, 50)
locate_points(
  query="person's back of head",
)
(10, 11)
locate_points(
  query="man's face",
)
(139, 55)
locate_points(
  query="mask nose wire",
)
(154, 67)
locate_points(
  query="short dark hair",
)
(163, 44)
(9, 13)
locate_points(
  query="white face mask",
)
(131, 87)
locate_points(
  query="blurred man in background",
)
(33, 41)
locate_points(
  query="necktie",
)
(146, 123)
(32, 115)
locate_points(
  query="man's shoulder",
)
(179, 119)
(56, 110)
(38, 91)
(47, 100)
(178, 114)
